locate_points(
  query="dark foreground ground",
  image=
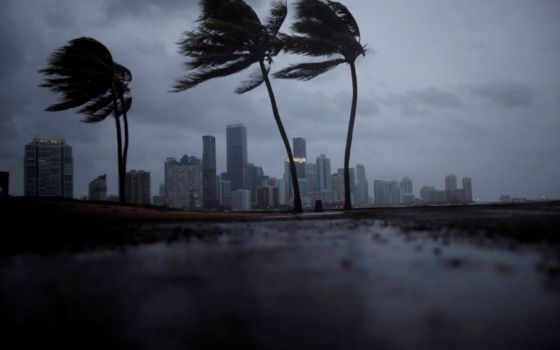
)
(101, 276)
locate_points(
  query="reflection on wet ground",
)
(318, 284)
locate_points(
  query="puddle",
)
(334, 284)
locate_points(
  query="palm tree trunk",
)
(119, 146)
(347, 200)
(125, 120)
(298, 208)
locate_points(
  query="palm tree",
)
(230, 38)
(326, 29)
(84, 72)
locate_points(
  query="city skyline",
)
(469, 102)
(357, 173)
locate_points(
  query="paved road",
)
(287, 284)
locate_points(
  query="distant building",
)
(137, 187)
(506, 198)
(337, 183)
(450, 183)
(4, 183)
(311, 177)
(254, 177)
(430, 194)
(467, 188)
(160, 199)
(209, 185)
(48, 169)
(225, 194)
(241, 200)
(386, 192)
(183, 182)
(323, 171)
(407, 193)
(267, 197)
(97, 189)
(362, 188)
(236, 139)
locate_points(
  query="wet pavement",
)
(286, 284)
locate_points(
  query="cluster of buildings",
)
(194, 183)
(401, 192)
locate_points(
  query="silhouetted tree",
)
(326, 29)
(230, 38)
(84, 72)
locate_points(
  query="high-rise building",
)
(267, 197)
(406, 185)
(160, 199)
(209, 190)
(450, 183)
(236, 139)
(386, 192)
(362, 188)
(183, 182)
(48, 169)
(429, 194)
(337, 186)
(98, 189)
(254, 176)
(467, 188)
(323, 173)
(240, 200)
(137, 187)
(311, 177)
(225, 193)
(300, 154)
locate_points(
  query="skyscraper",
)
(406, 185)
(48, 169)
(323, 173)
(362, 188)
(98, 189)
(386, 192)
(450, 183)
(236, 139)
(138, 187)
(467, 188)
(183, 182)
(209, 185)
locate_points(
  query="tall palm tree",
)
(326, 29)
(230, 38)
(84, 72)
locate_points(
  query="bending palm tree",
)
(326, 29)
(84, 72)
(230, 38)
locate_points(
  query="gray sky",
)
(464, 87)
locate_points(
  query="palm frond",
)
(309, 46)
(276, 17)
(232, 11)
(345, 16)
(255, 80)
(320, 12)
(307, 71)
(204, 74)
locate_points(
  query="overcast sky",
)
(466, 87)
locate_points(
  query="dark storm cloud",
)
(504, 93)
(423, 100)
